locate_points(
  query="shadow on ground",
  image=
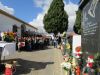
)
(25, 66)
(45, 48)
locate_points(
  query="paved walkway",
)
(41, 62)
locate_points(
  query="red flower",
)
(8, 71)
(90, 65)
(78, 49)
(78, 54)
(91, 56)
(21, 44)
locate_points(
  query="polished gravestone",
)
(91, 27)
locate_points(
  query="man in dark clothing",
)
(59, 40)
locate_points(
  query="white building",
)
(9, 22)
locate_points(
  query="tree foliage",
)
(56, 19)
(77, 26)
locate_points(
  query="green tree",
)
(56, 19)
(77, 26)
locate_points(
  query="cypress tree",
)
(56, 19)
(77, 26)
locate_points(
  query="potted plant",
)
(9, 36)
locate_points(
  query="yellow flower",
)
(68, 46)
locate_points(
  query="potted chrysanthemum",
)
(9, 37)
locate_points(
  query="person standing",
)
(59, 40)
(55, 42)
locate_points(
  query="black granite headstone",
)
(91, 27)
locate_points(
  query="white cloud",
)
(6, 8)
(71, 20)
(38, 21)
(44, 4)
(71, 9)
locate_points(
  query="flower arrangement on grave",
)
(21, 42)
(66, 64)
(78, 52)
(89, 65)
(10, 68)
(90, 61)
(9, 36)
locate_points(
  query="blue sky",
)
(26, 10)
(33, 11)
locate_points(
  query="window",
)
(14, 28)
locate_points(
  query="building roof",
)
(83, 4)
(11, 16)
